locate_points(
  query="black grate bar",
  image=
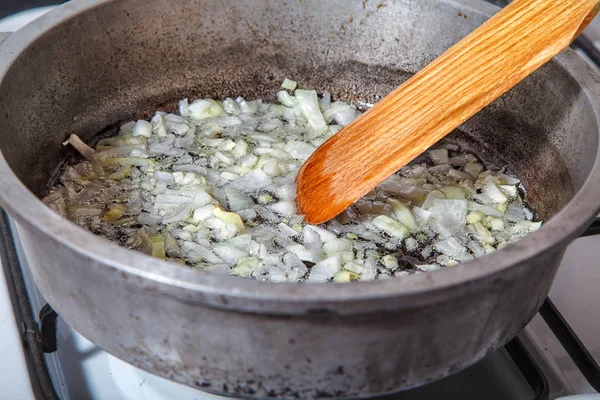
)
(38, 372)
(531, 371)
(572, 344)
(594, 228)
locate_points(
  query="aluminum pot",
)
(91, 63)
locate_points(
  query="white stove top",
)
(14, 382)
(81, 371)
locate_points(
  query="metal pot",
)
(92, 63)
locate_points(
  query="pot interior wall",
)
(124, 58)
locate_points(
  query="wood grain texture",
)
(492, 59)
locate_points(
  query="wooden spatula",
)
(506, 49)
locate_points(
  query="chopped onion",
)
(439, 156)
(237, 200)
(493, 192)
(324, 270)
(448, 216)
(337, 246)
(289, 84)
(390, 226)
(83, 149)
(142, 128)
(287, 208)
(309, 104)
(230, 218)
(214, 187)
(403, 214)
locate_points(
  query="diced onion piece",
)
(287, 208)
(421, 215)
(456, 174)
(353, 267)
(286, 192)
(222, 230)
(287, 230)
(474, 217)
(229, 253)
(231, 107)
(241, 149)
(340, 113)
(252, 182)
(83, 149)
(488, 248)
(186, 178)
(127, 127)
(299, 150)
(476, 248)
(390, 226)
(115, 212)
(411, 244)
(483, 234)
(473, 169)
(491, 211)
(534, 226)
(403, 214)
(446, 261)
(439, 169)
(183, 107)
(229, 218)
(439, 156)
(451, 247)
(179, 214)
(241, 241)
(313, 255)
(509, 190)
(171, 246)
(199, 253)
(237, 200)
(157, 243)
(248, 161)
(265, 198)
(390, 262)
(344, 276)
(289, 84)
(204, 108)
(309, 104)
(463, 159)
(453, 192)
(509, 180)
(496, 224)
(286, 99)
(142, 128)
(121, 174)
(337, 246)
(493, 192)
(324, 270)
(323, 234)
(369, 271)
(448, 216)
(203, 213)
(201, 198)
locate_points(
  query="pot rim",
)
(232, 292)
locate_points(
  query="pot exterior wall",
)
(317, 355)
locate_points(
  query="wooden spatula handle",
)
(503, 51)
